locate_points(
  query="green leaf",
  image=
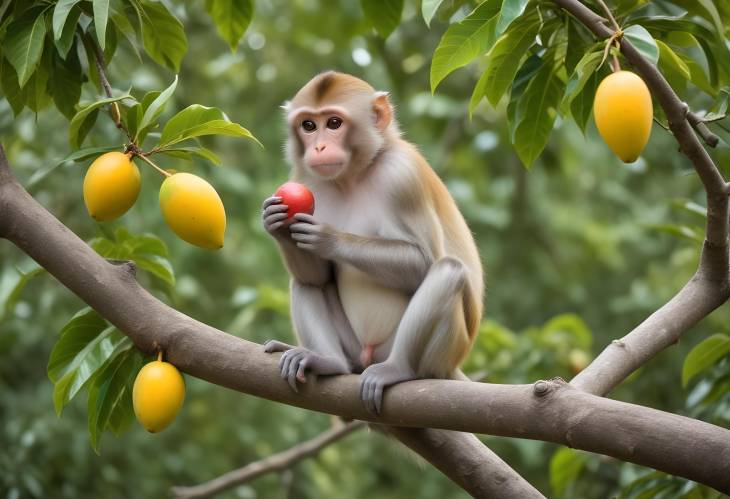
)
(157, 266)
(643, 42)
(464, 41)
(60, 14)
(231, 17)
(123, 413)
(23, 44)
(13, 295)
(65, 40)
(668, 58)
(108, 389)
(101, 17)
(147, 243)
(154, 109)
(526, 73)
(163, 35)
(704, 356)
(84, 326)
(565, 468)
(567, 329)
(536, 113)
(80, 122)
(383, 15)
(582, 105)
(188, 152)
(197, 120)
(66, 84)
(13, 93)
(719, 108)
(504, 60)
(87, 361)
(37, 96)
(695, 234)
(511, 10)
(428, 9)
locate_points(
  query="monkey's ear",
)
(383, 110)
(286, 106)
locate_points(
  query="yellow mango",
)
(193, 210)
(623, 112)
(111, 186)
(158, 395)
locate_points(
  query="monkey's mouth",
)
(327, 169)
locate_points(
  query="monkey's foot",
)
(376, 378)
(276, 346)
(296, 361)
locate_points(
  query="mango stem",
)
(153, 165)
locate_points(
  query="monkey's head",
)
(337, 125)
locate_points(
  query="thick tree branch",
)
(275, 462)
(550, 411)
(710, 286)
(213, 355)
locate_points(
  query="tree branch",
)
(550, 411)
(210, 354)
(275, 462)
(710, 286)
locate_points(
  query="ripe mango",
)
(623, 112)
(111, 186)
(193, 210)
(157, 395)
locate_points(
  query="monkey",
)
(386, 279)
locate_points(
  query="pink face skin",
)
(323, 132)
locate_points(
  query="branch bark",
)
(275, 462)
(551, 411)
(210, 354)
(710, 286)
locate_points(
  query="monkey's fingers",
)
(270, 220)
(301, 372)
(271, 200)
(305, 246)
(304, 238)
(305, 217)
(275, 208)
(304, 228)
(291, 375)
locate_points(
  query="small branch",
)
(701, 128)
(275, 462)
(100, 68)
(609, 14)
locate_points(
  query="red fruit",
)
(298, 198)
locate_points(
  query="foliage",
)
(577, 251)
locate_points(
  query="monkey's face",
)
(323, 136)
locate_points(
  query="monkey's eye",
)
(334, 123)
(309, 125)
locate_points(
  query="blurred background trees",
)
(577, 250)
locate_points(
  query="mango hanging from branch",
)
(623, 112)
(193, 210)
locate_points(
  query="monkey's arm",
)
(303, 266)
(394, 263)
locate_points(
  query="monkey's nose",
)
(320, 147)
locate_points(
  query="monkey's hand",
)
(378, 377)
(310, 235)
(274, 217)
(297, 361)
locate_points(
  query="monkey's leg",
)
(430, 339)
(325, 335)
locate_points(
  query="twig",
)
(701, 128)
(100, 68)
(144, 158)
(276, 462)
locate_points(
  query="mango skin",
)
(623, 112)
(157, 395)
(193, 210)
(111, 186)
